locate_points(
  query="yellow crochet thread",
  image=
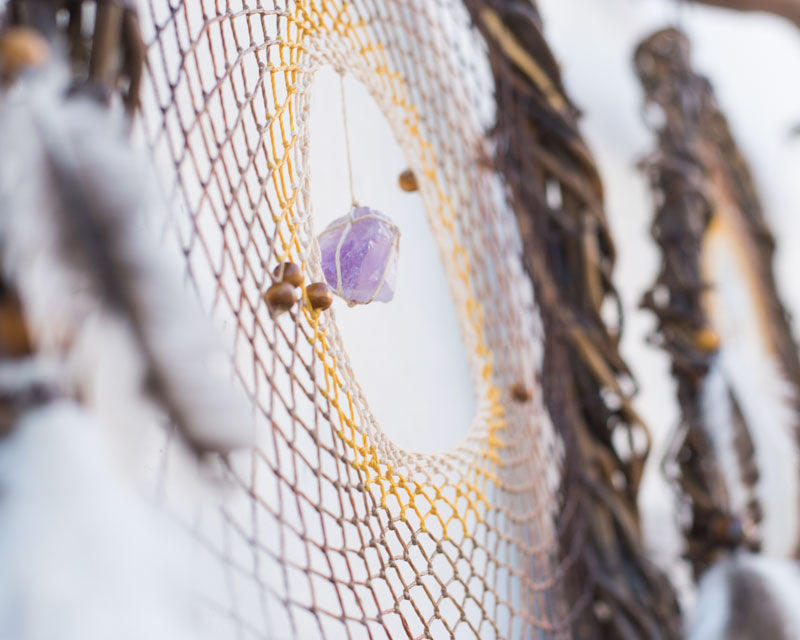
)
(332, 17)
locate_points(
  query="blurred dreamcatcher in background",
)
(187, 450)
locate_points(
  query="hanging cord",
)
(347, 141)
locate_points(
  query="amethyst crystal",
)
(367, 243)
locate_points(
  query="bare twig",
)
(568, 253)
(107, 30)
(698, 175)
(789, 9)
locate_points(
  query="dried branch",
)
(613, 590)
(112, 59)
(698, 175)
(789, 9)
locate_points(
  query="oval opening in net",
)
(407, 355)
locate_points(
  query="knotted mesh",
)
(331, 530)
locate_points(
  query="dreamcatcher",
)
(720, 317)
(324, 527)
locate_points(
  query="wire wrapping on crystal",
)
(359, 255)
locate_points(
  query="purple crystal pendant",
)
(359, 256)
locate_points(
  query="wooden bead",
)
(727, 529)
(408, 181)
(280, 297)
(15, 341)
(288, 272)
(320, 296)
(707, 340)
(521, 393)
(20, 49)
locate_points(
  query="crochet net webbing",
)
(331, 530)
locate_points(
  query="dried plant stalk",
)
(556, 193)
(789, 9)
(112, 59)
(697, 173)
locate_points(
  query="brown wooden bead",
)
(521, 393)
(21, 48)
(320, 296)
(15, 341)
(288, 272)
(280, 297)
(707, 340)
(408, 181)
(727, 529)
